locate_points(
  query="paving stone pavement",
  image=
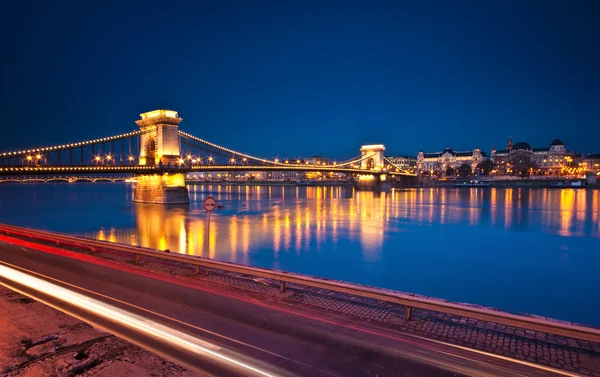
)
(546, 349)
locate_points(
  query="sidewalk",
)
(37, 340)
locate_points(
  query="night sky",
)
(301, 78)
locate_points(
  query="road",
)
(301, 340)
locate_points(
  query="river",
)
(523, 250)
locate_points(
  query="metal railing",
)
(410, 302)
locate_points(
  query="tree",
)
(486, 166)
(464, 170)
(521, 163)
(450, 171)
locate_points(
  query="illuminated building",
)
(404, 162)
(439, 161)
(550, 160)
(591, 162)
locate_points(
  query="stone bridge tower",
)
(375, 161)
(161, 144)
(159, 147)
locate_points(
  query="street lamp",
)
(98, 159)
(108, 158)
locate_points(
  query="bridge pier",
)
(375, 182)
(161, 189)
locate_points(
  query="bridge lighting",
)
(98, 158)
(130, 158)
(276, 160)
(232, 160)
(189, 157)
(297, 161)
(287, 162)
(180, 161)
(29, 158)
(108, 157)
(38, 156)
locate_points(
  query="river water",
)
(524, 250)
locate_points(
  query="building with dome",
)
(551, 160)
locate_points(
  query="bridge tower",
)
(161, 141)
(159, 147)
(375, 157)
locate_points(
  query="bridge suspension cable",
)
(79, 144)
(395, 166)
(355, 160)
(230, 151)
(263, 160)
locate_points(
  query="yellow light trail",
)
(149, 327)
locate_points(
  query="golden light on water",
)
(279, 220)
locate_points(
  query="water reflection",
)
(302, 219)
(292, 220)
(533, 250)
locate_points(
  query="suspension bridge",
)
(159, 154)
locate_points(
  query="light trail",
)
(149, 327)
(428, 345)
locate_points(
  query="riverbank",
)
(528, 183)
(37, 340)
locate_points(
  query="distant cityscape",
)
(515, 159)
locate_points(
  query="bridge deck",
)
(141, 169)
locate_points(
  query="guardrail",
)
(410, 302)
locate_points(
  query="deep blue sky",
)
(293, 78)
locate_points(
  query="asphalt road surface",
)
(300, 340)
